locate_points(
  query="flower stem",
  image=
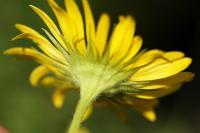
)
(79, 113)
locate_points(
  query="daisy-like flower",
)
(106, 68)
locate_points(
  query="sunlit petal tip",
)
(20, 36)
(15, 38)
(18, 25)
(58, 98)
(33, 7)
(150, 115)
(185, 62)
(24, 29)
(49, 22)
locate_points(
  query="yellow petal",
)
(66, 24)
(159, 93)
(37, 74)
(145, 107)
(150, 115)
(24, 52)
(147, 110)
(178, 78)
(154, 54)
(146, 58)
(153, 86)
(58, 98)
(73, 35)
(89, 22)
(159, 69)
(42, 42)
(135, 47)
(121, 39)
(74, 13)
(102, 33)
(88, 113)
(50, 24)
(38, 57)
(164, 83)
(49, 81)
(173, 55)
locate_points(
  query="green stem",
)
(79, 113)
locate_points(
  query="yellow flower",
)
(107, 71)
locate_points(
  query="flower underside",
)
(108, 70)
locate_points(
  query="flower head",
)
(107, 69)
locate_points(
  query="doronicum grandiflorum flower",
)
(106, 68)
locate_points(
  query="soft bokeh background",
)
(166, 24)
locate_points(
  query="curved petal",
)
(121, 39)
(66, 24)
(50, 24)
(135, 47)
(50, 81)
(58, 98)
(164, 83)
(42, 42)
(72, 32)
(37, 74)
(173, 55)
(161, 68)
(74, 13)
(38, 57)
(146, 58)
(153, 94)
(25, 53)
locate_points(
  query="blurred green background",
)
(166, 24)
